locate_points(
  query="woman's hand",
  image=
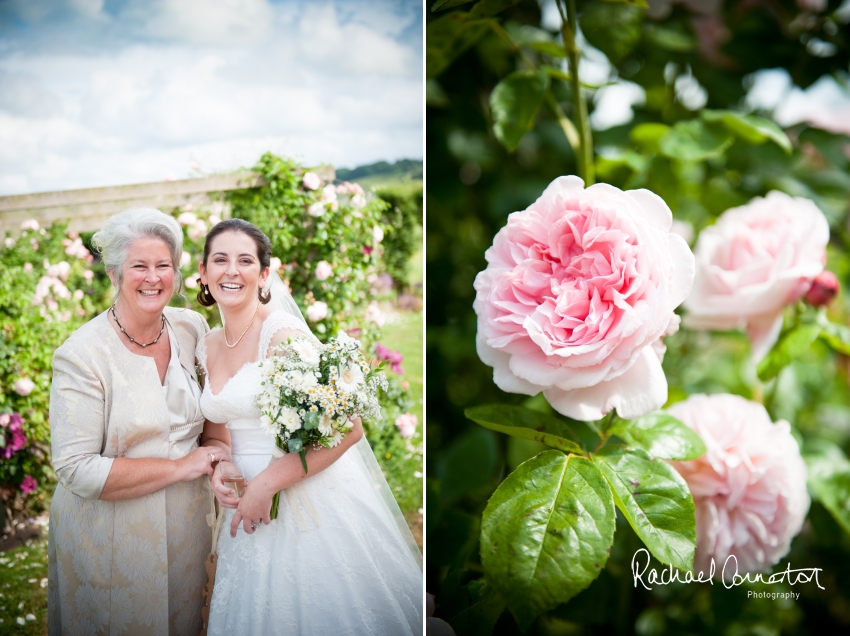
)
(198, 462)
(225, 494)
(253, 508)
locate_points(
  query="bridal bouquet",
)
(311, 391)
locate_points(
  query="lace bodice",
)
(234, 404)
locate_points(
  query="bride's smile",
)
(233, 273)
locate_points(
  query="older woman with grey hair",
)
(128, 532)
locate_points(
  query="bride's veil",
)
(281, 300)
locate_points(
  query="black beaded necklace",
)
(138, 344)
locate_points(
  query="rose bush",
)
(577, 290)
(753, 262)
(749, 488)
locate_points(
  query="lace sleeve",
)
(201, 355)
(274, 323)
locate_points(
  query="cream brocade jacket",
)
(134, 566)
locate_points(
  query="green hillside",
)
(382, 173)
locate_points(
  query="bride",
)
(339, 558)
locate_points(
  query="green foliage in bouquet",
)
(534, 512)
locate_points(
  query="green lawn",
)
(23, 572)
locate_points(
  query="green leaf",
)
(517, 421)
(546, 533)
(750, 128)
(470, 463)
(790, 346)
(836, 336)
(693, 141)
(441, 5)
(557, 73)
(829, 481)
(471, 609)
(489, 8)
(514, 103)
(552, 49)
(648, 135)
(661, 435)
(655, 500)
(448, 37)
(613, 30)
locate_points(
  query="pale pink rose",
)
(60, 270)
(191, 282)
(377, 234)
(323, 270)
(186, 219)
(329, 193)
(88, 275)
(375, 315)
(317, 311)
(30, 224)
(749, 488)
(316, 209)
(754, 261)
(275, 264)
(406, 425)
(311, 181)
(358, 201)
(215, 219)
(23, 386)
(78, 294)
(197, 230)
(577, 289)
(185, 259)
(27, 267)
(9, 242)
(5, 418)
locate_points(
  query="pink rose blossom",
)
(29, 484)
(27, 267)
(749, 488)
(323, 270)
(4, 419)
(577, 289)
(30, 224)
(23, 386)
(317, 311)
(311, 181)
(186, 219)
(754, 261)
(377, 234)
(406, 424)
(316, 209)
(393, 357)
(375, 315)
(16, 439)
(275, 264)
(88, 275)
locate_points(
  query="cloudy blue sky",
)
(106, 92)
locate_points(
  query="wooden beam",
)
(87, 209)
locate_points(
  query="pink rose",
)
(406, 425)
(317, 311)
(324, 270)
(754, 261)
(275, 263)
(186, 219)
(4, 419)
(29, 484)
(749, 488)
(311, 181)
(316, 209)
(577, 289)
(23, 386)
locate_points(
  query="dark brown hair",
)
(264, 253)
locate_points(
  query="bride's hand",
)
(253, 508)
(225, 494)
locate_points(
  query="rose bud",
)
(824, 288)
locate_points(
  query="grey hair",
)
(123, 229)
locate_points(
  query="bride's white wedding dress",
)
(334, 562)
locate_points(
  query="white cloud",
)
(321, 86)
